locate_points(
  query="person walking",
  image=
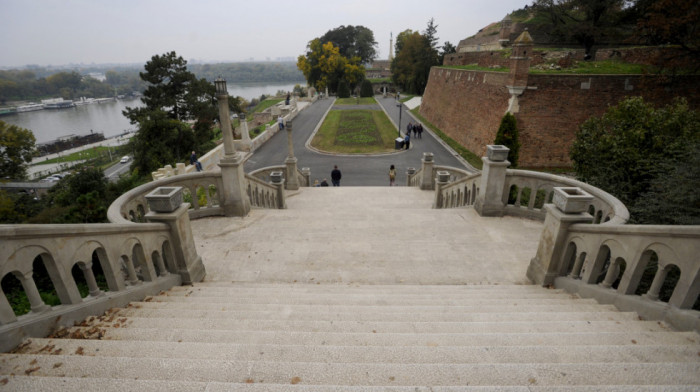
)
(392, 175)
(280, 121)
(420, 131)
(335, 176)
(409, 127)
(407, 140)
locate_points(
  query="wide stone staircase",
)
(451, 319)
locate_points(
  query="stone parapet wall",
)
(468, 107)
(500, 58)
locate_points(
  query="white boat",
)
(30, 107)
(84, 101)
(57, 103)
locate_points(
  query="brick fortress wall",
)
(468, 106)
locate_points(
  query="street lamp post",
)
(398, 105)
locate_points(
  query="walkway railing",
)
(134, 260)
(264, 174)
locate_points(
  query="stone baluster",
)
(443, 178)
(489, 202)
(409, 174)
(131, 271)
(569, 208)
(245, 134)
(427, 163)
(659, 278)
(578, 264)
(611, 275)
(306, 172)
(291, 161)
(35, 301)
(90, 279)
(277, 179)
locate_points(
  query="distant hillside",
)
(249, 72)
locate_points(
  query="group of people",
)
(336, 175)
(417, 130)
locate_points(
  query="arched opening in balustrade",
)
(213, 196)
(614, 273)
(158, 264)
(540, 198)
(187, 197)
(18, 287)
(649, 262)
(569, 259)
(132, 216)
(202, 200)
(673, 275)
(143, 266)
(598, 216)
(525, 194)
(140, 213)
(596, 273)
(512, 195)
(591, 210)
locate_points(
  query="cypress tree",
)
(508, 136)
(366, 90)
(343, 90)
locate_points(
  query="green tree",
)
(174, 95)
(366, 90)
(411, 66)
(447, 48)
(643, 155)
(507, 135)
(323, 66)
(353, 41)
(343, 90)
(17, 147)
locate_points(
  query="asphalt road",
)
(113, 172)
(362, 170)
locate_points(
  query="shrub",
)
(343, 90)
(508, 136)
(366, 90)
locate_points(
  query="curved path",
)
(360, 170)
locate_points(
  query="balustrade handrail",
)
(620, 214)
(116, 212)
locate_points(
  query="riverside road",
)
(357, 170)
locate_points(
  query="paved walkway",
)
(365, 170)
(368, 235)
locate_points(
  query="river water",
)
(49, 125)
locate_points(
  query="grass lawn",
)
(266, 104)
(90, 153)
(355, 101)
(355, 132)
(469, 156)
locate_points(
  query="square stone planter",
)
(497, 152)
(165, 199)
(276, 177)
(428, 157)
(571, 200)
(443, 176)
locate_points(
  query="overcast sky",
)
(57, 32)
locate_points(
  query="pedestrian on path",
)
(407, 140)
(335, 176)
(280, 121)
(392, 175)
(409, 127)
(420, 131)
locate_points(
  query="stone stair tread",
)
(418, 289)
(388, 339)
(377, 374)
(365, 354)
(71, 384)
(512, 326)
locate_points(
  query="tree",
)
(343, 90)
(366, 90)
(401, 39)
(507, 135)
(17, 147)
(643, 156)
(353, 41)
(323, 66)
(411, 66)
(174, 95)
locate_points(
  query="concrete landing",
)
(368, 235)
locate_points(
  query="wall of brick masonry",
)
(468, 106)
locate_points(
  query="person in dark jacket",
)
(335, 176)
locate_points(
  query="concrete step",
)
(71, 384)
(385, 339)
(365, 354)
(380, 326)
(370, 374)
(391, 289)
(508, 306)
(543, 314)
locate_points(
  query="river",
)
(49, 125)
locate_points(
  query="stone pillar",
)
(235, 200)
(131, 271)
(427, 170)
(277, 180)
(613, 271)
(443, 178)
(90, 279)
(569, 208)
(656, 284)
(410, 172)
(306, 172)
(245, 134)
(291, 161)
(576, 271)
(35, 301)
(489, 201)
(188, 262)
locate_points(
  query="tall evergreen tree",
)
(507, 135)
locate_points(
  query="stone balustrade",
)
(265, 172)
(134, 260)
(265, 195)
(459, 193)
